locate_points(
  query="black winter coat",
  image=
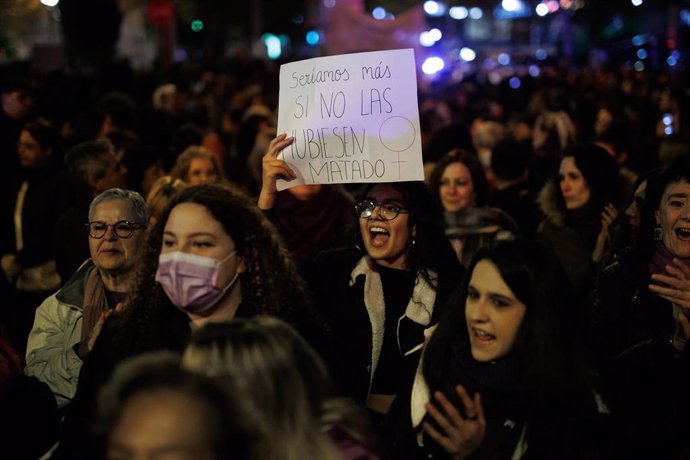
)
(349, 349)
(625, 312)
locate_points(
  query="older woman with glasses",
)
(68, 322)
(379, 295)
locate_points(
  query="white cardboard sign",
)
(354, 118)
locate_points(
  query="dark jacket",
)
(649, 392)
(46, 198)
(352, 343)
(502, 404)
(72, 239)
(625, 312)
(572, 236)
(575, 429)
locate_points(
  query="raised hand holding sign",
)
(353, 118)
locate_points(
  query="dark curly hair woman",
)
(212, 256)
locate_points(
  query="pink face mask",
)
(190, 281)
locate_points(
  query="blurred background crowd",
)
(529, 299)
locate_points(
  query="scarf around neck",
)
(93, 305)
(661, 258)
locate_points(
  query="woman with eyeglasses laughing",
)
(380, 295)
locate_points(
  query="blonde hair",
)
(160, 194)
(281, 376)
(181, 168)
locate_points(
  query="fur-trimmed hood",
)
(549, 205)
(554, 211)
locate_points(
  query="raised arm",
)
(272, 169)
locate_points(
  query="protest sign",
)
(354, 118)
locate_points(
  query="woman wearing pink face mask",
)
(211, 257)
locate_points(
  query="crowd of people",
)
(530, 299)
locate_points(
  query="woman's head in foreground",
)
(151, 407)
(278, 373)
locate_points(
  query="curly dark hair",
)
(469, 159)
(271, 284)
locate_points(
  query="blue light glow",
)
(313, 38)
(273, 46)
(379, 13)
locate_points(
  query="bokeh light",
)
(313, 37)
(433, 65)
(468, 54)
(458, 12)
(379, 13)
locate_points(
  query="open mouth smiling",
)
(683, 233)
(378, 235)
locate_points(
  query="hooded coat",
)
(572, 234)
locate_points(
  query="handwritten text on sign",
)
(354, 118)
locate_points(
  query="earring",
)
(359, 242)
(657, 233)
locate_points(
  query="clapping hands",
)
(459, 436)
(674, 284)
(608, 217)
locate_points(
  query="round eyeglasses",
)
(388, 211)
(122, 229)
